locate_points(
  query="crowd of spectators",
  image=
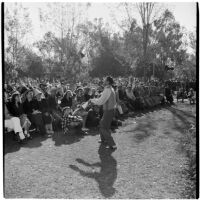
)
(47, 106)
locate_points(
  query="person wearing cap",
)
(108, 100)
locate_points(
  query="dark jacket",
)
(29, 106)
(16, 111)
(52, 102)
(122, 94)
(93, 119)
(66, 102)
(87, 97)
(42, 105)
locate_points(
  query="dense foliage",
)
(79, 47)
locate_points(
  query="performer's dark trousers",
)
(105, 124)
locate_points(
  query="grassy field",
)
(152, 161)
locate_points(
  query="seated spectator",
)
(168, 94)
(80, 98)
(87, 96)
(54, 108)
(42, 106)
(66, 101)
(93, 117)
(122, 93)
(70, 122)
(191, 96)
(16, 109)
(139, 104)
(31, 109)
(59, 92)
(93, 93)
(43, 88)
(80, 111)
(130, 97)
(13, 123)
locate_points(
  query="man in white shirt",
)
(108, 100)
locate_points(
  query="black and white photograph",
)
(99, 100)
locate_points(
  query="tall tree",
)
(146, 11)
(169, 37)
(17, 25)
(64, 18)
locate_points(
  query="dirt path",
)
(148, 163)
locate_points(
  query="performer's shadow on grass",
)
(108, 171)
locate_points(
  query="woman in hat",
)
(18, 111)
(34, 115)
(54, 108)
(80, 98)
(66, 101)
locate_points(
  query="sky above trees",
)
(185, 14)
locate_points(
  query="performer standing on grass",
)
(108, 100)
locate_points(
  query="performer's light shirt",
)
(104, 97)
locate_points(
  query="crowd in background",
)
(46, 106)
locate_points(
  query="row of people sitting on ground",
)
(182, 94)
(46, 108)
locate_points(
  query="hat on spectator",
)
(36, 92)
(14, 94)
(23, 89)
(26, 90)
(79, 88)
(68, 91)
